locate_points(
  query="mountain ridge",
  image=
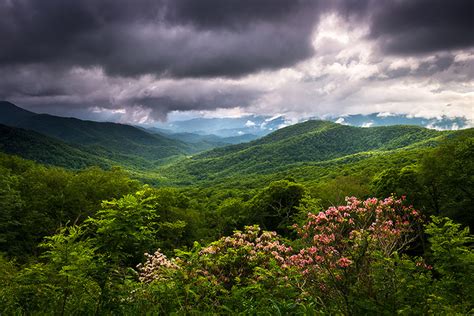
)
(106, 138)
(307, 143)
(43, 149)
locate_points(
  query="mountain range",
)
(101, 143)
(225, 127)
(260, 125)
(302, 149)
(185, 157)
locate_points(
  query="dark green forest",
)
(314, 219)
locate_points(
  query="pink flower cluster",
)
(254, 241)
(235, 257)
(336, 237)
(155, 267)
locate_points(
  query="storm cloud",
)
(166, 38)
(423, 26)
(158, 56)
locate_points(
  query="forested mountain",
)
(115, 141)
(303, 151)
(212, 139)
(322, 140)
(308, 143)
(34, 146)
(226, 126)
(207, 142)
(11, 114)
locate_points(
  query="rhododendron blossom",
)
(228, 260)
(155, 266)
(337, 237)
(256, 242)
(344, 262)
(253, 247)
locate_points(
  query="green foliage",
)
(236, 274)
(10, 205)
(36, 200)
(232, 213)
(406, 180)
(448, 176)
(71, 263)
(399, 285)
(126, 228)
(452, 256)
(334, 191)
(275, 207)
(62, 286)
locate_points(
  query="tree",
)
(126, 228)
(11, 206)
(275, 206)
(401, 182)
(447, 173)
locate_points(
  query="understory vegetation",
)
(374, 234)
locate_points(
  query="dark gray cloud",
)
(160, 106)
(422, 26)
(67, 91)
(170, 38)
(209, 38)
(233, 14)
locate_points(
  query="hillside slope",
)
(34, 146)
(107, 139)
(303, 144)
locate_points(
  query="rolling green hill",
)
(43, 149)
(310, 144)
(117, 142)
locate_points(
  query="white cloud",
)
(367, 124)
(249, 123)
(274, 117)
(385, 114)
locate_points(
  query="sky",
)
(151, 61)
